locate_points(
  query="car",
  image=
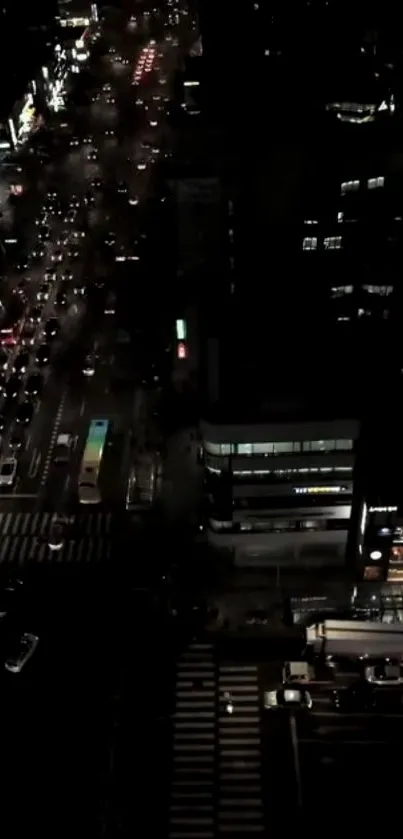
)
(20, 652)
(287, 697)
(9, 591)
(89, 365)
(21, 287)
(133, 201)
(24, 413)
(88, 139)
(73, 254)
(35, 315)
(13, 386)
(61, 453)
(44, 233)
(63, 240)
(256, 617)
(43, 355)
(74, 202)
(385, 673)
(50, 274)
(89, 199)
(74, 142)
(67, 276)
(33, 385)
(93, 156)
(38, 253)
(57, 256)
(22, 264)
(57, 534)
(28, 334)
(70, 217)
(15, 443)
(43, 293)
(110, 239)
(122, 188)
(8, 471)
(52, 327)
(21, 362)
(110, 304)
(4, 359)
(61, 298)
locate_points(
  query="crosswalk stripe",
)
(4, 548)
(216, 757)
(24, 539)
(6, 523)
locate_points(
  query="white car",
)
(287, 697)
(25, 648)
(8, 471)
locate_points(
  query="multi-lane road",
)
(110, 148)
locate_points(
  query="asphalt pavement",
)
(103, 149)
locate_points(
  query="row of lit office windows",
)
(279, 526)
(266, 449)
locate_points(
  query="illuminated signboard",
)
(319, 490)
(181, 330)
(182, 351)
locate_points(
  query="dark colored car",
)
(43, 355)
(21, 363)
(24, 413)
(13, 386)
(61, 298)
(15, 443)
(33, 385)
(52, 327)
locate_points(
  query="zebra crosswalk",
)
(39, 524)
(216, 771)
(24, 538)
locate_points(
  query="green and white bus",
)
(88, 481)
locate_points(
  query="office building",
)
(280, 489)
(76, 13)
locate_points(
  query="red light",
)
(182, 351)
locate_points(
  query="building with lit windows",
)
(76, 13)
(280, 492)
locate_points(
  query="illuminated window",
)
(375, 183)
(244, 448)
(349, 186)
(309, 243)
(381, 290)
(340, 217)
(332, 243)
(341, 290)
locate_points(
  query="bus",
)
(88, 481)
